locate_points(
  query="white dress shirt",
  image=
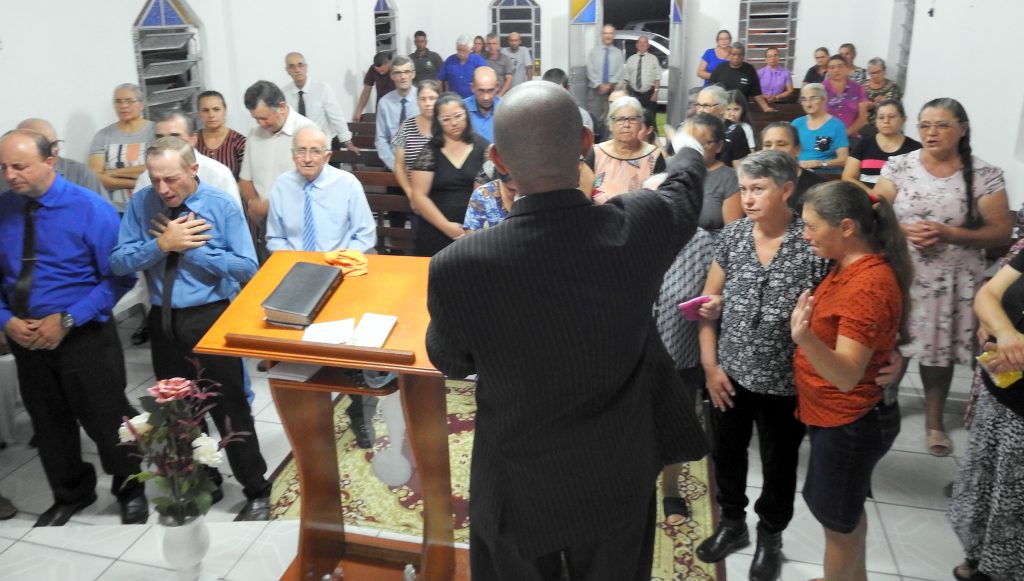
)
(268, 155)
(321, 108)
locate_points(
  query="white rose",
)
(141, 425)
(206, 451)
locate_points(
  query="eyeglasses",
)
(296, 66)
(125, 101)
(809, 99)
(941, 126)
(455, 118)
(706, 105)
(303, 152)
(627, 120)
(395, 73)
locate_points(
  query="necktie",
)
(401, 116)
(170, 275)
(308, 226)
(302, 104)
(605, 73)
(639, 71)
(23, 286)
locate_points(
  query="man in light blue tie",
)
(395, 107)
(604, 71)
(317, 207)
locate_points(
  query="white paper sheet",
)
(333, 332)
(373, 330)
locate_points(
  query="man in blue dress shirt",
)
(57, 294)
(394, 108)
(317, 207)
(457, 71)
(484, 101)
(192, 243)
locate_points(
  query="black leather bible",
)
(301, 294)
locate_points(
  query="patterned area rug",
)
(369, 502)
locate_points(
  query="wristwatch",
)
(67, 321)
(824, 164)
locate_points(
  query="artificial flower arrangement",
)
(170, 440)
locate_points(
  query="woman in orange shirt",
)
(844, 334)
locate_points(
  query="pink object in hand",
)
(691, 307)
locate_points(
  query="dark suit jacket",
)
(579, 405)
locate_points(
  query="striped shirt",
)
(230, 152)
(411, 141)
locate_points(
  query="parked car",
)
(626, 40)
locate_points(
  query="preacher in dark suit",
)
(579, 406)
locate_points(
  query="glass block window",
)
(522, 16)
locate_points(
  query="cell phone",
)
(691, 307)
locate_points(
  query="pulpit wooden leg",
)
(308, 420)
(423, 401)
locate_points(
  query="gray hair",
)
(319, 133)
(621, 102)
(130, 87)
(464, 40)
(175, 144)
(718, 92)
(877, 62)
(739, 46)
(778, 165)
(816, 87)
(400, 60)
(171, 114)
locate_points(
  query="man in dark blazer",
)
(578, 403)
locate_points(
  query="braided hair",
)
(963, 148)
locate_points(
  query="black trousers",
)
(645, 100)
(779, 434)
(172, 358)
(619, 553)
(82, 381)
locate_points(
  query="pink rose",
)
(167, 390)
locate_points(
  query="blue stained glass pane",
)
(153, 16)
(382, 6)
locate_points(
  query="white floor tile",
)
(922, 541)
(38, 563)
(6, 543)
(911, 479)
(274, 444)
(268, 413)
(122, 571)
(912, 435)
(139, 375)
(270, 554)
(17, 527)
(228, 542)
(13, 457)
(104, 541)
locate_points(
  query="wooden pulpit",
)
(395, 285)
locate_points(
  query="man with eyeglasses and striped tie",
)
(321, 208)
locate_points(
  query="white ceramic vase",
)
(186, 545)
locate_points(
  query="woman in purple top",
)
(844, 99)
(776, 81)
(714, 56)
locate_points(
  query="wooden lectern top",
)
(394, 285)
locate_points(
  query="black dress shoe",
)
(729, 536)
(767, 562)
(363, 438)
(256, 509)
(217, 495)
(134, 510)
(141, 335)
(61, 512)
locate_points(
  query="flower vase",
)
(185, 545)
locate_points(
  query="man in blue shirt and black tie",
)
(57, 294)
(192, 243)
(394, 108)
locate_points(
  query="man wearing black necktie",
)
(57, 293)
(642, 75)
(191, 242)
(315, 100)
(395, 107)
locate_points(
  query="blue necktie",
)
(401, 117)
(308, 226)
(604, 73)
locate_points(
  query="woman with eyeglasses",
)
(823, 142)
(443, 174)
(867, 157)
(118, 151)
(952, 206)
(622, 163)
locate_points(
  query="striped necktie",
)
(308, 225)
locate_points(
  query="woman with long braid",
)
(952, 206)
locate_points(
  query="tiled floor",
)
(909, 537)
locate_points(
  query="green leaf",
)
(203, 502)
(149, 404)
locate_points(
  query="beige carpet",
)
(369, 502)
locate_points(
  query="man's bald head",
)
(41, 126)
(539, 137)
(485, 87)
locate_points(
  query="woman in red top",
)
(844, 334)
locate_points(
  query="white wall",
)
(865, 23)
(947, 59)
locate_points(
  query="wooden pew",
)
(385, 196)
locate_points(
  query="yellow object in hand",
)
(1004, 379)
